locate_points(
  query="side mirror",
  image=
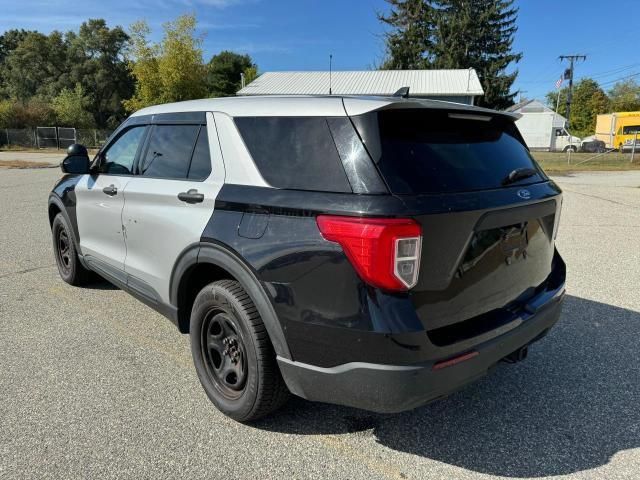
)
(77, 160)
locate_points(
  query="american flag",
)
(559, 82)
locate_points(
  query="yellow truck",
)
(618, 129)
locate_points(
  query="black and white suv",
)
(372, 252)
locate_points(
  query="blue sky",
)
(300, 34)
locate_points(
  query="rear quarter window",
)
(438, 151)
(294, 152)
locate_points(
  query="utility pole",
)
(568, 74)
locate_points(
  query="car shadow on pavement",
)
(569, 407)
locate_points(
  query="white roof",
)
(303, 106)
(373, 82)
(536, 107)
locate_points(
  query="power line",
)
(604, 73)
(620, 79)
(609, 73)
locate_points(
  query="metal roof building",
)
(452, 85)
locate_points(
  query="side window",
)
(169, 151)
(201, 160)
(294, 152)
(118, 158)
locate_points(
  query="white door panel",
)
(159, 226)
(100, 218)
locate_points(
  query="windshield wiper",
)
(519, 174)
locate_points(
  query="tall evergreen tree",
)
(456, 34)
(410, 40)
(479, 34)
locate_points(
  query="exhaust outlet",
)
(517, 356)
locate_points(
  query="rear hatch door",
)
(488, 212)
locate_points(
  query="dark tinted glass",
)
(297, 153)
(201, 161)
(169, 151)
(630, 129)
(431, 151)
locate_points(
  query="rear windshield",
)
(431, 151)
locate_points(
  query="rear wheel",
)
(64, 248)
(232, 353)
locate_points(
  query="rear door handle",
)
(191, 196)
(111, 190)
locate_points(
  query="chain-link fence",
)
(24, 137)
(92, 138)
(52, 137)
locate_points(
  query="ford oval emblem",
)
(524, 194)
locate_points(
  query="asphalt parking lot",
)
(94, 384)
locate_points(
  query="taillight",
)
(384, 251)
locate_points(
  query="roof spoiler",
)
(402, 92)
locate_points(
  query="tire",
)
(232, 353)
(572, 148)
(66, 255)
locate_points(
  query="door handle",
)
(111, 190)
(191, 196)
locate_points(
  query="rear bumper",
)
(395, 388)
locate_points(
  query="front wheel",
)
(573, 148)
(232, 353)
(64, 249)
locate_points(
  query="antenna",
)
(330, 61)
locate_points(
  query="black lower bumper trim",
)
(396, 388)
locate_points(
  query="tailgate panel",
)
(475, 262)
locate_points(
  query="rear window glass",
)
(201, 161)
(431, 151)
(294, 152)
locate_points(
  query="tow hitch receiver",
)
(517, 356)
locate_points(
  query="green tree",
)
(9, 40)
(625, 96)
(250, 74)
(587, 101)
(169, 71)
(6, 113)
(479, 34)
(456, 34)
(70, 107)
(224, 73)
(96, 61)
(34, 64)
(35, 112)
(410, 40)
(37, 66)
